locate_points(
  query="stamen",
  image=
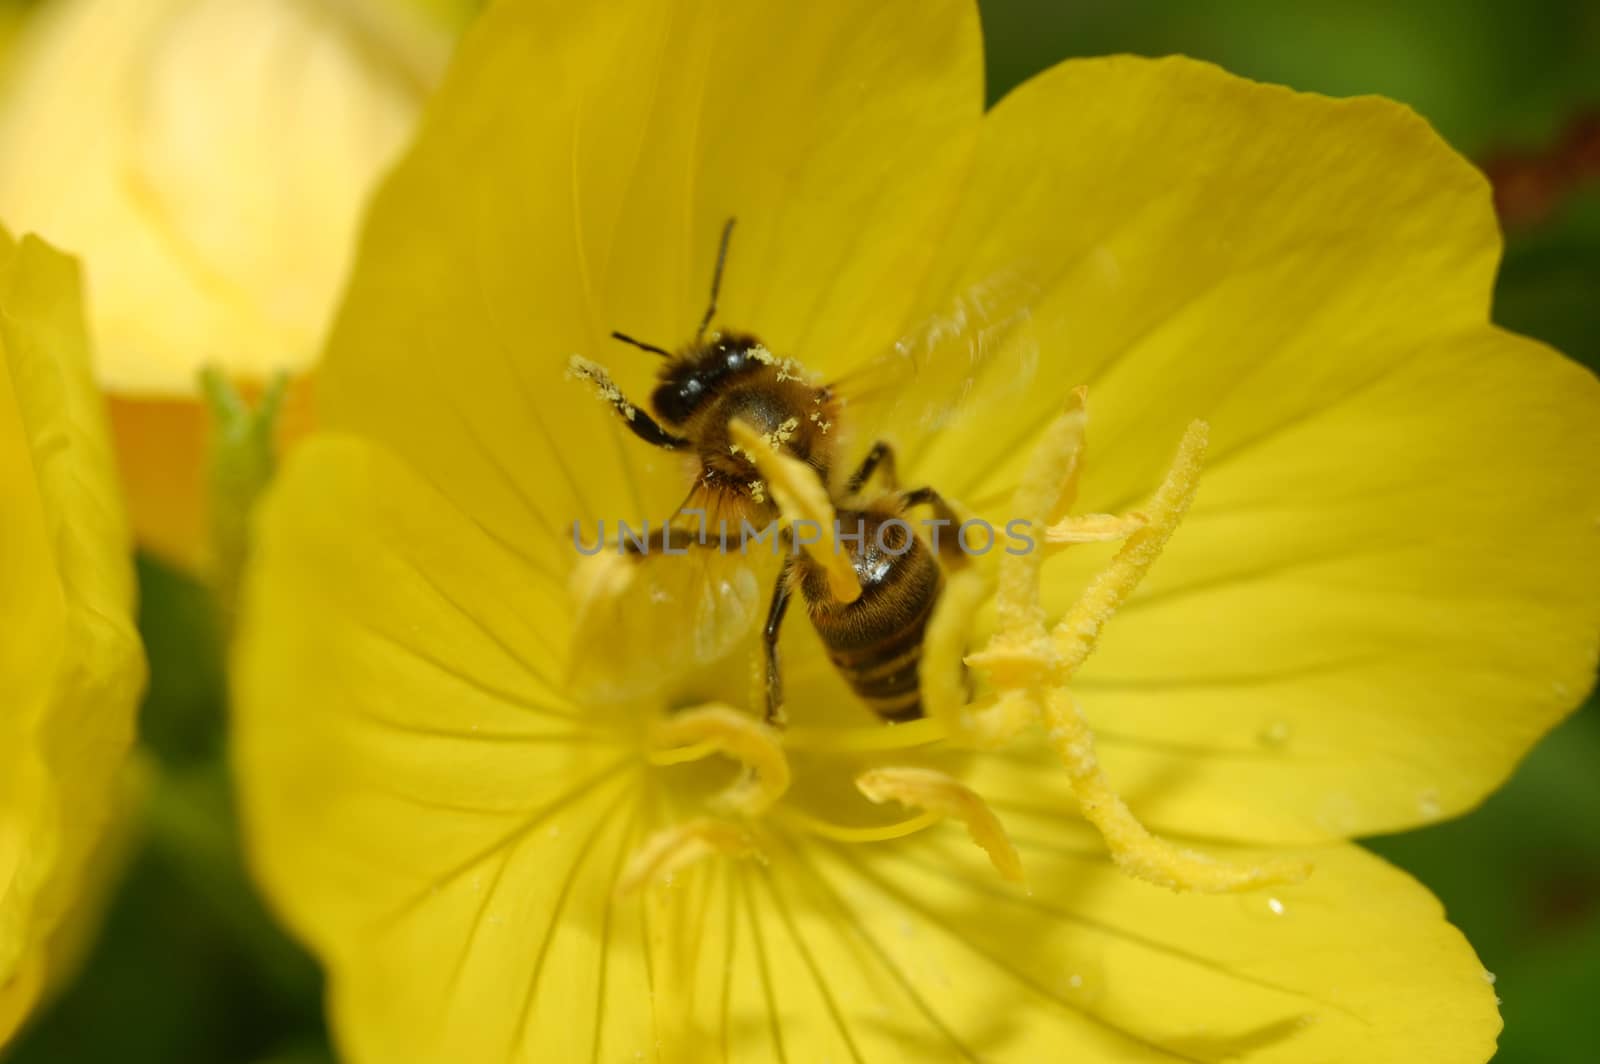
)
(1067, 488)
(1079, 630)
(718, 729)
(1092, 528)
(1029, 669)
(826, 829)
(1134, 849)
(1047, 480)
(943, 795)
(672, 849)
(803, 501)
(1019, 655)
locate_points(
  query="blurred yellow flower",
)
(209, 160)
(70, 663)
(1386, 590)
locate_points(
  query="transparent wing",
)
(971, 356)
(651, 623)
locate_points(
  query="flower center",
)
(1024, 672)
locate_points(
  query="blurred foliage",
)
(1485, 72)
(1550, 281)
(191, 967)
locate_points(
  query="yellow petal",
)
(209, 159)
(70, 663)
(916, 951)
(398, 718)
(1389, 585)
(573, 177)
(1363, 627)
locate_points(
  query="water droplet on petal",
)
(1275, 735)
(1428, 804)
(1489, 977)
(1082, 980)
(1275, 906)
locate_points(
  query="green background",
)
(191, 969)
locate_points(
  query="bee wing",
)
(648, 623)
(975, 354)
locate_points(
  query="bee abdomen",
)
(876, 641)
(887, 683)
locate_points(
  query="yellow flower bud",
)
(209, 160)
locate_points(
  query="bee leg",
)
(775, 612)
(638, 422)
(949, 546)
(644, 426)
(881, 456)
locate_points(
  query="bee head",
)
(700, 373)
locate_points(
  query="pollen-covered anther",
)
(803, 501)
(943, 795)
(718, 729)
(672, 849)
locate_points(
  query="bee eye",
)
(675, 402)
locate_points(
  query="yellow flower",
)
(209, 159)
(70, 663)
(1385, 590)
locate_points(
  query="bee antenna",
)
(641, 345)
(716, 278)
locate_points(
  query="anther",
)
(803, 501)
(942, 795)
(1092, 528)
(800, 820)
(718, 729)
(677, 847)
(983, 724)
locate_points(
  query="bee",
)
(874, 641)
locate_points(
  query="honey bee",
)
(874, 641)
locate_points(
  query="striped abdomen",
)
(876, 641)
